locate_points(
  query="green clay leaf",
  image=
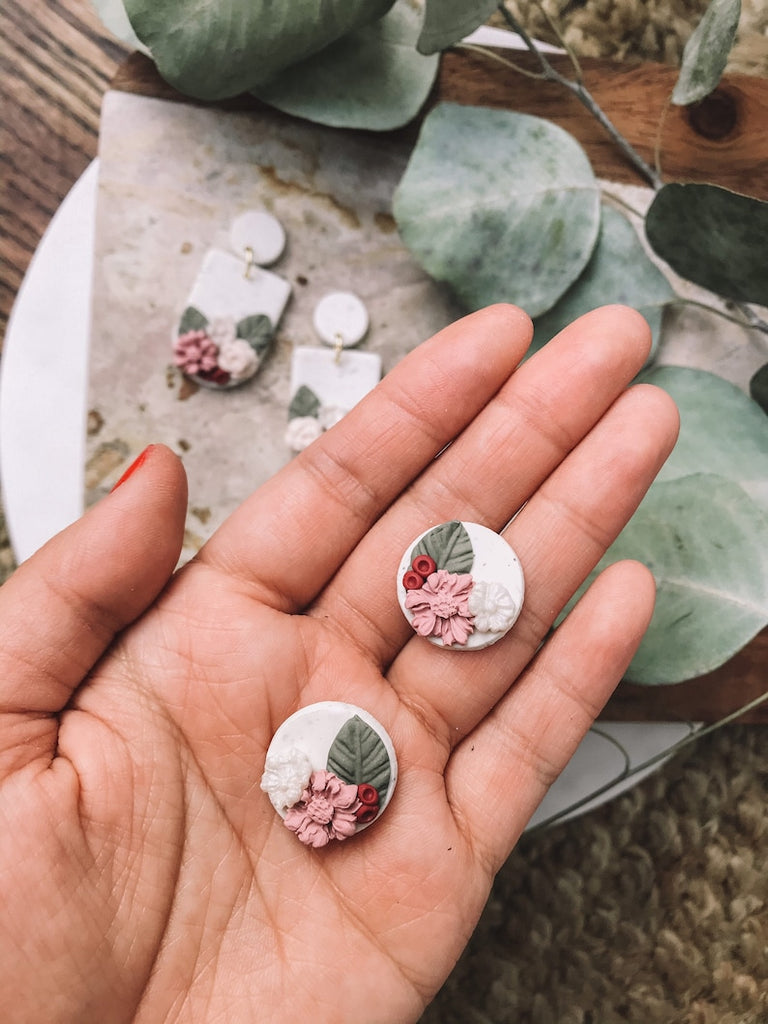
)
(722, 430)
(372, 78)
(715, 238)
(257, 330)
(448, 21)
(215, 50)
(358, 755)
(304, 403)
(449, 546)
(504, 207)
(706, 52)
(192, 320)
(758, 387)
(704, 539)
(618, 271)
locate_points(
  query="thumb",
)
(62, 607)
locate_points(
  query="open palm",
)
(143, 874)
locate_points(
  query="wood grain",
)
(57, 62)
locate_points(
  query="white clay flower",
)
(492, 607)
(238, 359)
(329, 415)
(301, 432)
(222, 330)
(285, 777)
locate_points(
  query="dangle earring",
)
(232, 312)
(326, 383)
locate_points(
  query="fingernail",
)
(136, 464)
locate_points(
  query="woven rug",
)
(654, 908)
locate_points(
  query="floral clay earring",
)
(233, 309)
(326, 383)
(330, 771)
(460, 585)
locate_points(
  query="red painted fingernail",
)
(136, 464)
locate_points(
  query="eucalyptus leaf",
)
(192, 320)
(618, 271)
(502, 206)
(372, 78)
(722, 430)
(704, 539)
(706, 52)
(716, 238)
(358, 755)
(214, 50)
(449, 546)
(304, 403)
(113, 17)
(257, 330)
(758, 387)
(448, 21)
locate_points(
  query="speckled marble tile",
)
(172, 179)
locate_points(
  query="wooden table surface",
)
(57, 61)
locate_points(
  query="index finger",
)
(292, 534)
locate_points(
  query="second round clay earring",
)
(460, 585)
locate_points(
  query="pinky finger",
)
(499, 774)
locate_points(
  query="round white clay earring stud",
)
(460, 585)
(341, 319)
(259, 235)
(330, 771)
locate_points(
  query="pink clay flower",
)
(441, 607)
(325, 811)
(194, 352)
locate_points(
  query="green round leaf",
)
(371, 78)
(713, 237)
(448, 21)
(214, 50)
(618, 271)
(722, 430)
(706, 52)
(502, 206)
(704, 539)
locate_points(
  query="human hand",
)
(143, 874)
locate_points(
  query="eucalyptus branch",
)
(551, 74)
(485, 52)
(627, 773)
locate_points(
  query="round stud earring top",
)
(330, 771)
(341, 319)
(460, 585)
(259, 234)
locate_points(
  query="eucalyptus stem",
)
(585, 97)
(628, 773)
